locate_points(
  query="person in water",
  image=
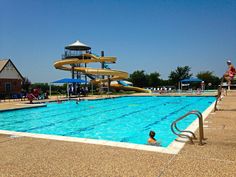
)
(152, 140)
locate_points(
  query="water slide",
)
(115, 75)
(123, 86)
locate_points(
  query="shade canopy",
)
(68, 80)
(77, 45)
(191, 79)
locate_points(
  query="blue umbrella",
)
(68, 80)
(191, 79)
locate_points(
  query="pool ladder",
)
(219, 94)
(189, 134)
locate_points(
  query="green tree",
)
(43, 86)
(179, 74)
(209, 77)
(138, 78)
(165, 82)
(153, 79)
(55, 89)
(26, 84)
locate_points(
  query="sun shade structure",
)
(68, 80)
(187, 81)
(77, 45)
(191, 79)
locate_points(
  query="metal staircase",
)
(219, 93)
(189, 134)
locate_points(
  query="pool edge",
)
(174, 148)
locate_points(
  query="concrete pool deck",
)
(24, 156)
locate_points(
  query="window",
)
(8, 87)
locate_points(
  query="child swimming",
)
(152, 140)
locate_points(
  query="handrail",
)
(219, 93)
(201, 133)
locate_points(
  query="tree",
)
(43, 86)
(138, 78)
(26, 84)
(55, 89)
(179, 74)
(153, 79)
(165, 82)
(209, 77)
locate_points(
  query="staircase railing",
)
(189, 134)
(219, 93)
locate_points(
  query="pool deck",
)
(25, 156)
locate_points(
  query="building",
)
(10, 79)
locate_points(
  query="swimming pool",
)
(123, 119)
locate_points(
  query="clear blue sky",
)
(153, 35)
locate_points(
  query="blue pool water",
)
(124, 119)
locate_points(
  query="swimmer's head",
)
(229, 62)
(152, 134)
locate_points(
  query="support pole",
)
(102, 63)
(50, 90)
(109, 83)
(86, 79)
(102, 66)
(92, 87)
(73, 76)
(68, 92)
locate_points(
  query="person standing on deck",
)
(230, 73)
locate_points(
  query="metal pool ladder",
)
(219, 93)
(185, 133)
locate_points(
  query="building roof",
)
(77, 45)
(3, 63)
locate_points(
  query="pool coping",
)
(27, 106)
(173, 148)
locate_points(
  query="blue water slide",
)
(90, 76)
(121, 82)
(106, 66)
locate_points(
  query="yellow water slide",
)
(66, 64)
(130, 88)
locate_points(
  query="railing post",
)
(219, 93)
(201, 133)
